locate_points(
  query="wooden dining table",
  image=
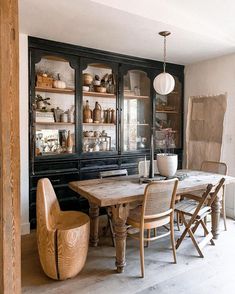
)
(119, 193)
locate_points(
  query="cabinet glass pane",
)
(99, 109)
(169, 119)
(54, 108)
(137, 111)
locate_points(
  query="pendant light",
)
(164, 83)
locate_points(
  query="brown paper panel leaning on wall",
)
(204, 131)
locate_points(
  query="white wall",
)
(217, 76)
(24, 164)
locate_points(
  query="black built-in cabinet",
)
(138, 110)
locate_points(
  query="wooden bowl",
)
(100, 89)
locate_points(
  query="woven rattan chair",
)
(108, 174)
(157, 211)
(197, 210)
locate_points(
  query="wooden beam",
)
(10, 263)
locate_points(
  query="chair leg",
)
(186, 230)
(195, 242)
(179, 241)
(224, 210)
(205, 222)
(142, 253)
(173, 238)
(155, 232)
(178, 220)
(195, 227)
(148, 236)
(207, 232)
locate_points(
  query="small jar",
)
(64, 117)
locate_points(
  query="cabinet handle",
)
(55, 181)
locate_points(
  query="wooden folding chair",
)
(197, 210)
(216, 168)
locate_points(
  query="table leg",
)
(215, 217)
(119, 215)
(94, 216)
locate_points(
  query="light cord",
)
(164, 57)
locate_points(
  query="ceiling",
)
(200, 29)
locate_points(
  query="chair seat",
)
(68, 220)
(188, 207)
(134, 219)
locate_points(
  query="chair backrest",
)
(113, 173)
(216, 190)
(159, 199)
(214, 167)
(141, 167)
(205, 196)
(46, 204)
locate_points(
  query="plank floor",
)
(192, 274)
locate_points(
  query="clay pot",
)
(87, 79)
(167, 164)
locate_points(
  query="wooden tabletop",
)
(111, 191)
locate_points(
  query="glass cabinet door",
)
(54, 107)
(168, 120)
(99, 108)
(137, 113)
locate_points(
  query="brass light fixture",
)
(164, 83)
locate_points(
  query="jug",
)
(87, 113)
(97, 113)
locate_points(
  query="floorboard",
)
(192, 275)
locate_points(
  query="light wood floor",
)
(192, 274)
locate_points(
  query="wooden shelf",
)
(136, 124)
(98, 124)
(167, 111)
(135, 97)
(173, 131)
(53, 123)
(99, 65)
(55, 90)
(98, 94)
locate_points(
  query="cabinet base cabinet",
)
(89, 169)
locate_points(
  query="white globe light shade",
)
(164, 83)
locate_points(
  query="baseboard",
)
(25, 228)
(230, 212)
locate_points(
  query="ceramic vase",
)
(167, 164)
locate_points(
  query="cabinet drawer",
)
(100, 164)
(55, 167)
(56, 179)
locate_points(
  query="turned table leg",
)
(119, 215)
(94, 216)
(215, 217)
